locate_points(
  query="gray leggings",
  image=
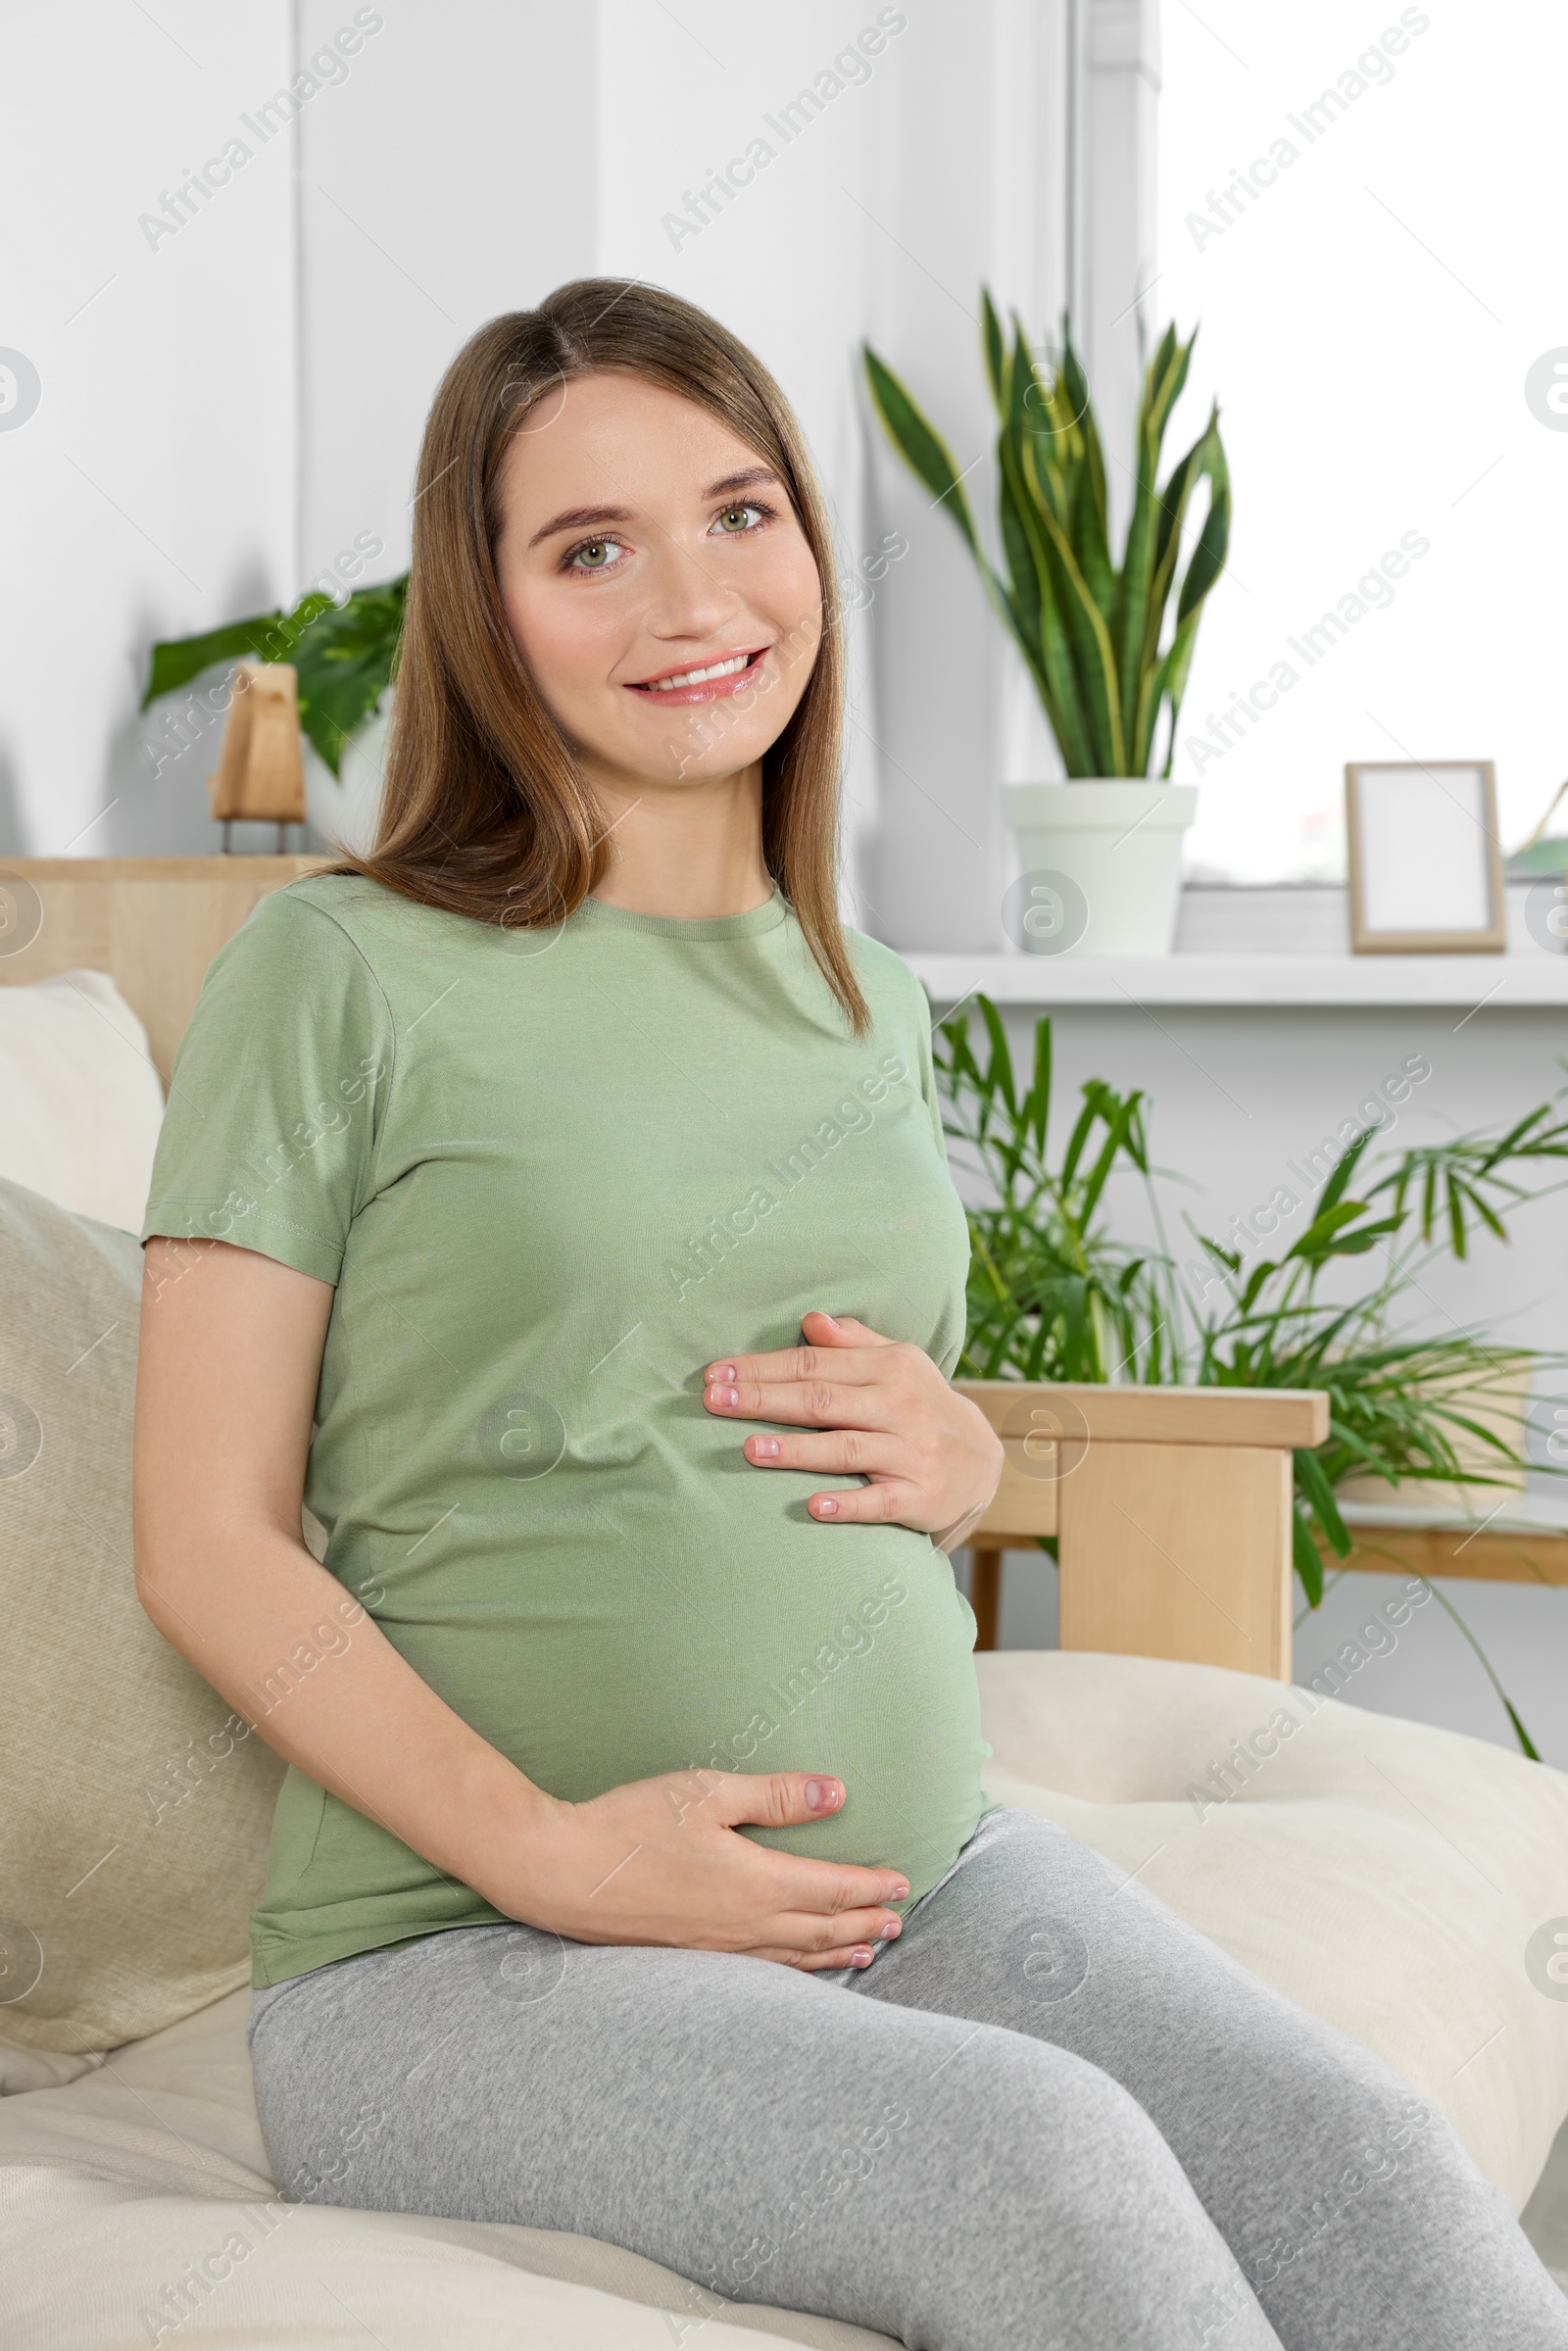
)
(1049, 2116)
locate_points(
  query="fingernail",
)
(723, 1397)
(821, 1794)
(900, 1892)
(722, 1371)
(831, 1318)
(892, 1926)
(764, 1448)
(825, 1506)
(861, 1955)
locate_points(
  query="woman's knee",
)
(1039, 2185)
(1314, 2087)
(1059, 2128)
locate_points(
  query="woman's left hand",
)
(882, 1411)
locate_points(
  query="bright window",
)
(1363, 206)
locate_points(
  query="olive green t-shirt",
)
(553, 1174)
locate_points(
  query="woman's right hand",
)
(661, 1861)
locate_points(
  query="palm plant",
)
(1087, 628)
(1055, 1293)
(344, 656)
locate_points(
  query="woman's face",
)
(643, 543)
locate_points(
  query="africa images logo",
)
(1545, 389)
(20, 390)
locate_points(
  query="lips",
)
(702, 681)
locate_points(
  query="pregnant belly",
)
(780, 1646)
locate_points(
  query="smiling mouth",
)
(703, 681)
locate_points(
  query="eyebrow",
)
(590, 517)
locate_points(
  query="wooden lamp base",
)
(260, 775)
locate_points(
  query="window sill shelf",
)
(1497, 983)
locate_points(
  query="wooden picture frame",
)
(1425, 863)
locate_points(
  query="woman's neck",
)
(693, 850)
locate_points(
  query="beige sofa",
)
(1393, 1877)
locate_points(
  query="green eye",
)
(738, 517)
(595, 556)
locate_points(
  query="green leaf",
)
(1319, 1494)
(343, 654)
(1130, 620)
(1076, 387)
(1087, 535)
(1117, 1124)
(992, 339)
(919, 444)
(1027, 586)
(1213, 540)
(1308, 1560)
(265, 637)
(1083, 1128)
(1023, 525)
(1001, 1070)
(1256, 1282)
(1089, 634)
(1334, 1190)
(1136, 624)
(1068, 466)
(1093, 663)
(1037, 1108)
(1166, 676)
(1527, 1743)
(345, 661)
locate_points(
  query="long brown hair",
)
(485, 811)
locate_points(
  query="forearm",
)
(296, 1656)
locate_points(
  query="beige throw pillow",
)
(136, 1808)
(83, 1102)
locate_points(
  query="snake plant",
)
(1087, 628)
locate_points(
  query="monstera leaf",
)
(344, 656)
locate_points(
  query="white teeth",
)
(699, 677)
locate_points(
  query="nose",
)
(686, 596)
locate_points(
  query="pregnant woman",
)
(555, 1200)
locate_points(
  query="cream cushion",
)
(134, 1828)
(155, 2162)
(83, 1102)
(1387, 1874)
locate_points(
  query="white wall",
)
(946, 681)
(151, 493)
(459, 160)
(438, 173)
(947, 164)
(787, 261)
(453, 177)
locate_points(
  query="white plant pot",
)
(1117, 841)
(345, 809)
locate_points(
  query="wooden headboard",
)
(154, 924)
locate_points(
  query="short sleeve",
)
(277, 1092)
(921, 1016)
